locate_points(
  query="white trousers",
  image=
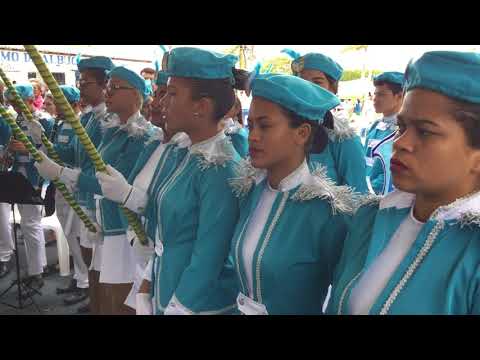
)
(31, 225)
(6, 240)
(72, 231)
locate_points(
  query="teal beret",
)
(25, 91)
(315, 61)
(300, 96)
(451, 73)
(131, 77)
(71, 93)
(198, 63)
(390, 77)
(96, 62)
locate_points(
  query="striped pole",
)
(70, 116)
(24, 109)
(20, 136)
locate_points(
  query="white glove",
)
(35, 130)
(69, 177)
(47, 168)
(144, 304)
(114, 186)
(96, 237)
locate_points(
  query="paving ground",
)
(49, 302)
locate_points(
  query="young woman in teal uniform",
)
(343, 156)
(195, 208)
(160, 157)
(417, 250)
(291, 227)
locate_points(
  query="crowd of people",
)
(260, 219)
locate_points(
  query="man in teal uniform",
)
(387, 100)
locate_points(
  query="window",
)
(60, 77)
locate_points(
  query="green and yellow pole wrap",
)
(24, 109)
(20, 136)
(77, 127)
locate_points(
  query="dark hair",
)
(221, 91)
(314, 142)
(333, 83)
(468, 115)
(239, 115)
(99, 75)
(148, 71)
(395, 88)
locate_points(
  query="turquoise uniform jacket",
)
(381, 177)
(343, 157)
(26, 161)
(438, 276)
(168, 162)
(74, 153)
(294, 260)
(379, 130)
(120, 148)
(196, 217)
(239, 137)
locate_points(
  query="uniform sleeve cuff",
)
(136, 200)
(174, 307)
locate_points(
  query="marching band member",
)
(124, 139)
(162, 154)
(31, 215)
(290, 231)
(63, 137)
(417, 250)
(343, 155)
(195, 208)
(387, 100)
(92, 84)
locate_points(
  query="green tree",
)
(279, 64)
(357, 74)
(245, 53)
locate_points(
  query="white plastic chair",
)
(51, 223)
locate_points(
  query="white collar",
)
(460, 207)
(294, 179)
(136, 125)
(99, 110)
(341, 128)
(209, 145)
(392, 119)
(228, 123)
(213, 151)
(181, 139)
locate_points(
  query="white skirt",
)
(117, 261)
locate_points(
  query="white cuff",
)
(69, 177)
(174, 307)
(147, 274)
(143, 304)
(137, 200)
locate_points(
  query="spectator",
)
(38, 90)
(49, 105)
